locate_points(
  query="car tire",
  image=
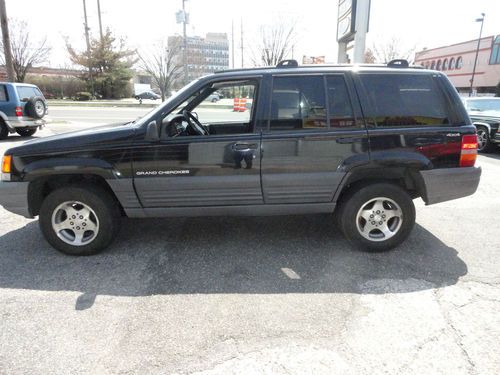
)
(214, 100)
(4, 130)
(390, 207)
(26, 132)
(36, 107)
(483, 140)
(79, 220)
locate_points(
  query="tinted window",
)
(398, 99)
(339, 103)
(298, 103)
(27, 92)
(3, 94)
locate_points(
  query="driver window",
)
(219, 108)
(227, 103)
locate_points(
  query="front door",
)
(208, 154)
(313, 136)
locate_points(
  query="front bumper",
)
(24, 122)
(14, 198)
(444, 184)
(496, 139)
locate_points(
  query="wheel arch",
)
(407, 178)
(41, 187)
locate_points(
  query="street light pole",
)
(477, 52)
(184, 36)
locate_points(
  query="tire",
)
(383, 200)
(4, 131)
(483, 140)
(36, 107)
(26, 132)
(101, 217)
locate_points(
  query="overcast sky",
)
(423, 23)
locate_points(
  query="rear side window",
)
(3, 94)
(405, 100)
(27, 92)
(298, 103)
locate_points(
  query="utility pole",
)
(477, 52)
(242, 55)
(87, 39)
(6, 42)
(184, 35)
(100, 20)
(232, 43)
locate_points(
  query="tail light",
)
(19, 111)
(6, 163)
(468, 150)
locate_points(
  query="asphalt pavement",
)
(275, 295)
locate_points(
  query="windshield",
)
(172, 98)
(484, 105)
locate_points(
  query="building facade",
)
(457, 62)
(204, 55)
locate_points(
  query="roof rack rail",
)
(288, 64)
(398, 63)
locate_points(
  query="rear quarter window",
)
(405, 100)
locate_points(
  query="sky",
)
(416, 24)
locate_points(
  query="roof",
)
(320, 68)
(17, 84)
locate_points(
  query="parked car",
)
(214, 97)
(22, 109)
(357, 142)
(147, 95)
(485, 115)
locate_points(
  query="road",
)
(280, 295)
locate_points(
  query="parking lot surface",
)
(280, 295)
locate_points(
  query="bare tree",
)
(275, 43)
(390, 50)
(164, 66)
(26, 51)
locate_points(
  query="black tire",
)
(356, 199)
(4, 131)
(36, 107)
(26, 132)
(99, 200)
(485, 145)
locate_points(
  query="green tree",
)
(108, 66)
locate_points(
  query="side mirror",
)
(152, 132)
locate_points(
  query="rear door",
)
(314, 133)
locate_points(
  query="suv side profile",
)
(22, 109)
(358, 142)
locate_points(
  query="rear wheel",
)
(79, 221)
(377, 217)
(26, 132)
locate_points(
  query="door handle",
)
(244, 146)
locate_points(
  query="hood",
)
(489, 113)
(92, 138)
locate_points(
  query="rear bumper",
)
(14, 198)
(24, 122)
(445, 184)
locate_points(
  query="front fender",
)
(60, 166)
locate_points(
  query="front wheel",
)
(4, 131)
(79, 221)
(377, 217)
(483, 140)
(26, 132)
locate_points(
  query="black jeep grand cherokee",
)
(358, 141)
